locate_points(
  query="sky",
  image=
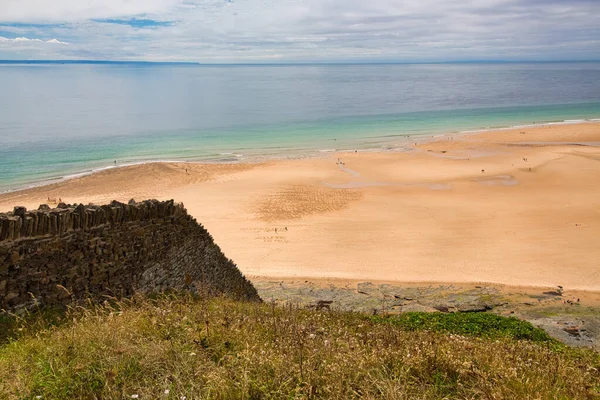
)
(264, 31)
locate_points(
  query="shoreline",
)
(468, 209)
(310, 153)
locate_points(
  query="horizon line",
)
(59, 61)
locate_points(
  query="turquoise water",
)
(60, 120)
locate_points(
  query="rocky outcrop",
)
(53, 256)
(383, 298)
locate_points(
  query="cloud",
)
(27, 40)
(56, 41)
(310, 30)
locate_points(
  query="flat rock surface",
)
(560, 314)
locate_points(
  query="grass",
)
(13, 327)
(576, 310)
(173, 347)
(485, 325)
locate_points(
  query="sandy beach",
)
(516, 207)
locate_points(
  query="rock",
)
(367, 288)
(11, 228)
(474, 307)
(416, 307)
(14, 257)
(323, 304)
(11, 296)
(444, 308)
(20, 211)
(553, 293)
(572, 330)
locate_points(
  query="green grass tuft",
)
(484, 325)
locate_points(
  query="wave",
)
(533, 125)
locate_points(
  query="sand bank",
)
(516, 207)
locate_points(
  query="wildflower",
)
(182, 398)
(135, 396)
(312, 336)
(167, 391)
(192, 354)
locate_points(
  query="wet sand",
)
(516, 207)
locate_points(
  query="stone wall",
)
(54, 256)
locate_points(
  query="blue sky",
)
(219, 31)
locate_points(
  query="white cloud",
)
(27, 40)
(56, 41)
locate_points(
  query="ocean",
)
(60, 120)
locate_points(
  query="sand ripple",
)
(297, 201)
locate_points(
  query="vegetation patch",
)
(484, 325)
(175, 347)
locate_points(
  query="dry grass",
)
(179, 347)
